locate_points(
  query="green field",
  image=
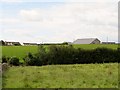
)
(21, 51)
(59, 76)
(93, 46)
(62, 76)
(18, 51)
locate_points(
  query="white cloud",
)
(9, 20)
(96, 11)
(67, 22)
(83, 19)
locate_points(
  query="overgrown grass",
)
(21, 51)
(63, 76)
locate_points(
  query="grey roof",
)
(84, 41)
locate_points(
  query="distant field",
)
(93, 46)
(21, 51)
(63, 76)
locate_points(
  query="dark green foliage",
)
(64, 43)
(62, 54)
(32, 60)
(5, 59)
(14, 61)
(70, 55)
(117, 55)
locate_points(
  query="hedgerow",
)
(56, 54)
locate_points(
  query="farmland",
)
(18, 51)
(21, 51)
(94, 46)
(63, 76)
(59, 76)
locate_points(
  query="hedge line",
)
(70, 55)
(66, 54)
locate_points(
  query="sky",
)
(45, 21)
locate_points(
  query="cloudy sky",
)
(58, 20)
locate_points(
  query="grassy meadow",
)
(62, 76)
(21, 51)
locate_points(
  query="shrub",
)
(14, 61)
(42, 56)
(32, 60)
(5, 59)
(28, 59)
(117, 55)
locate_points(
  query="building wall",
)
(10, 44)
(108, 42)
(96, 41)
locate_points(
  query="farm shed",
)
(87, 41)
(12, 43)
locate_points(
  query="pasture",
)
(21, 51)
(94, 46)
(62, 76)
(18, 51)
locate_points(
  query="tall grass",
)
(63, 76)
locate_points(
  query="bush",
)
(42, 55)
(32, 60)
(5, 59)
(14, 61)
(65, 43)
